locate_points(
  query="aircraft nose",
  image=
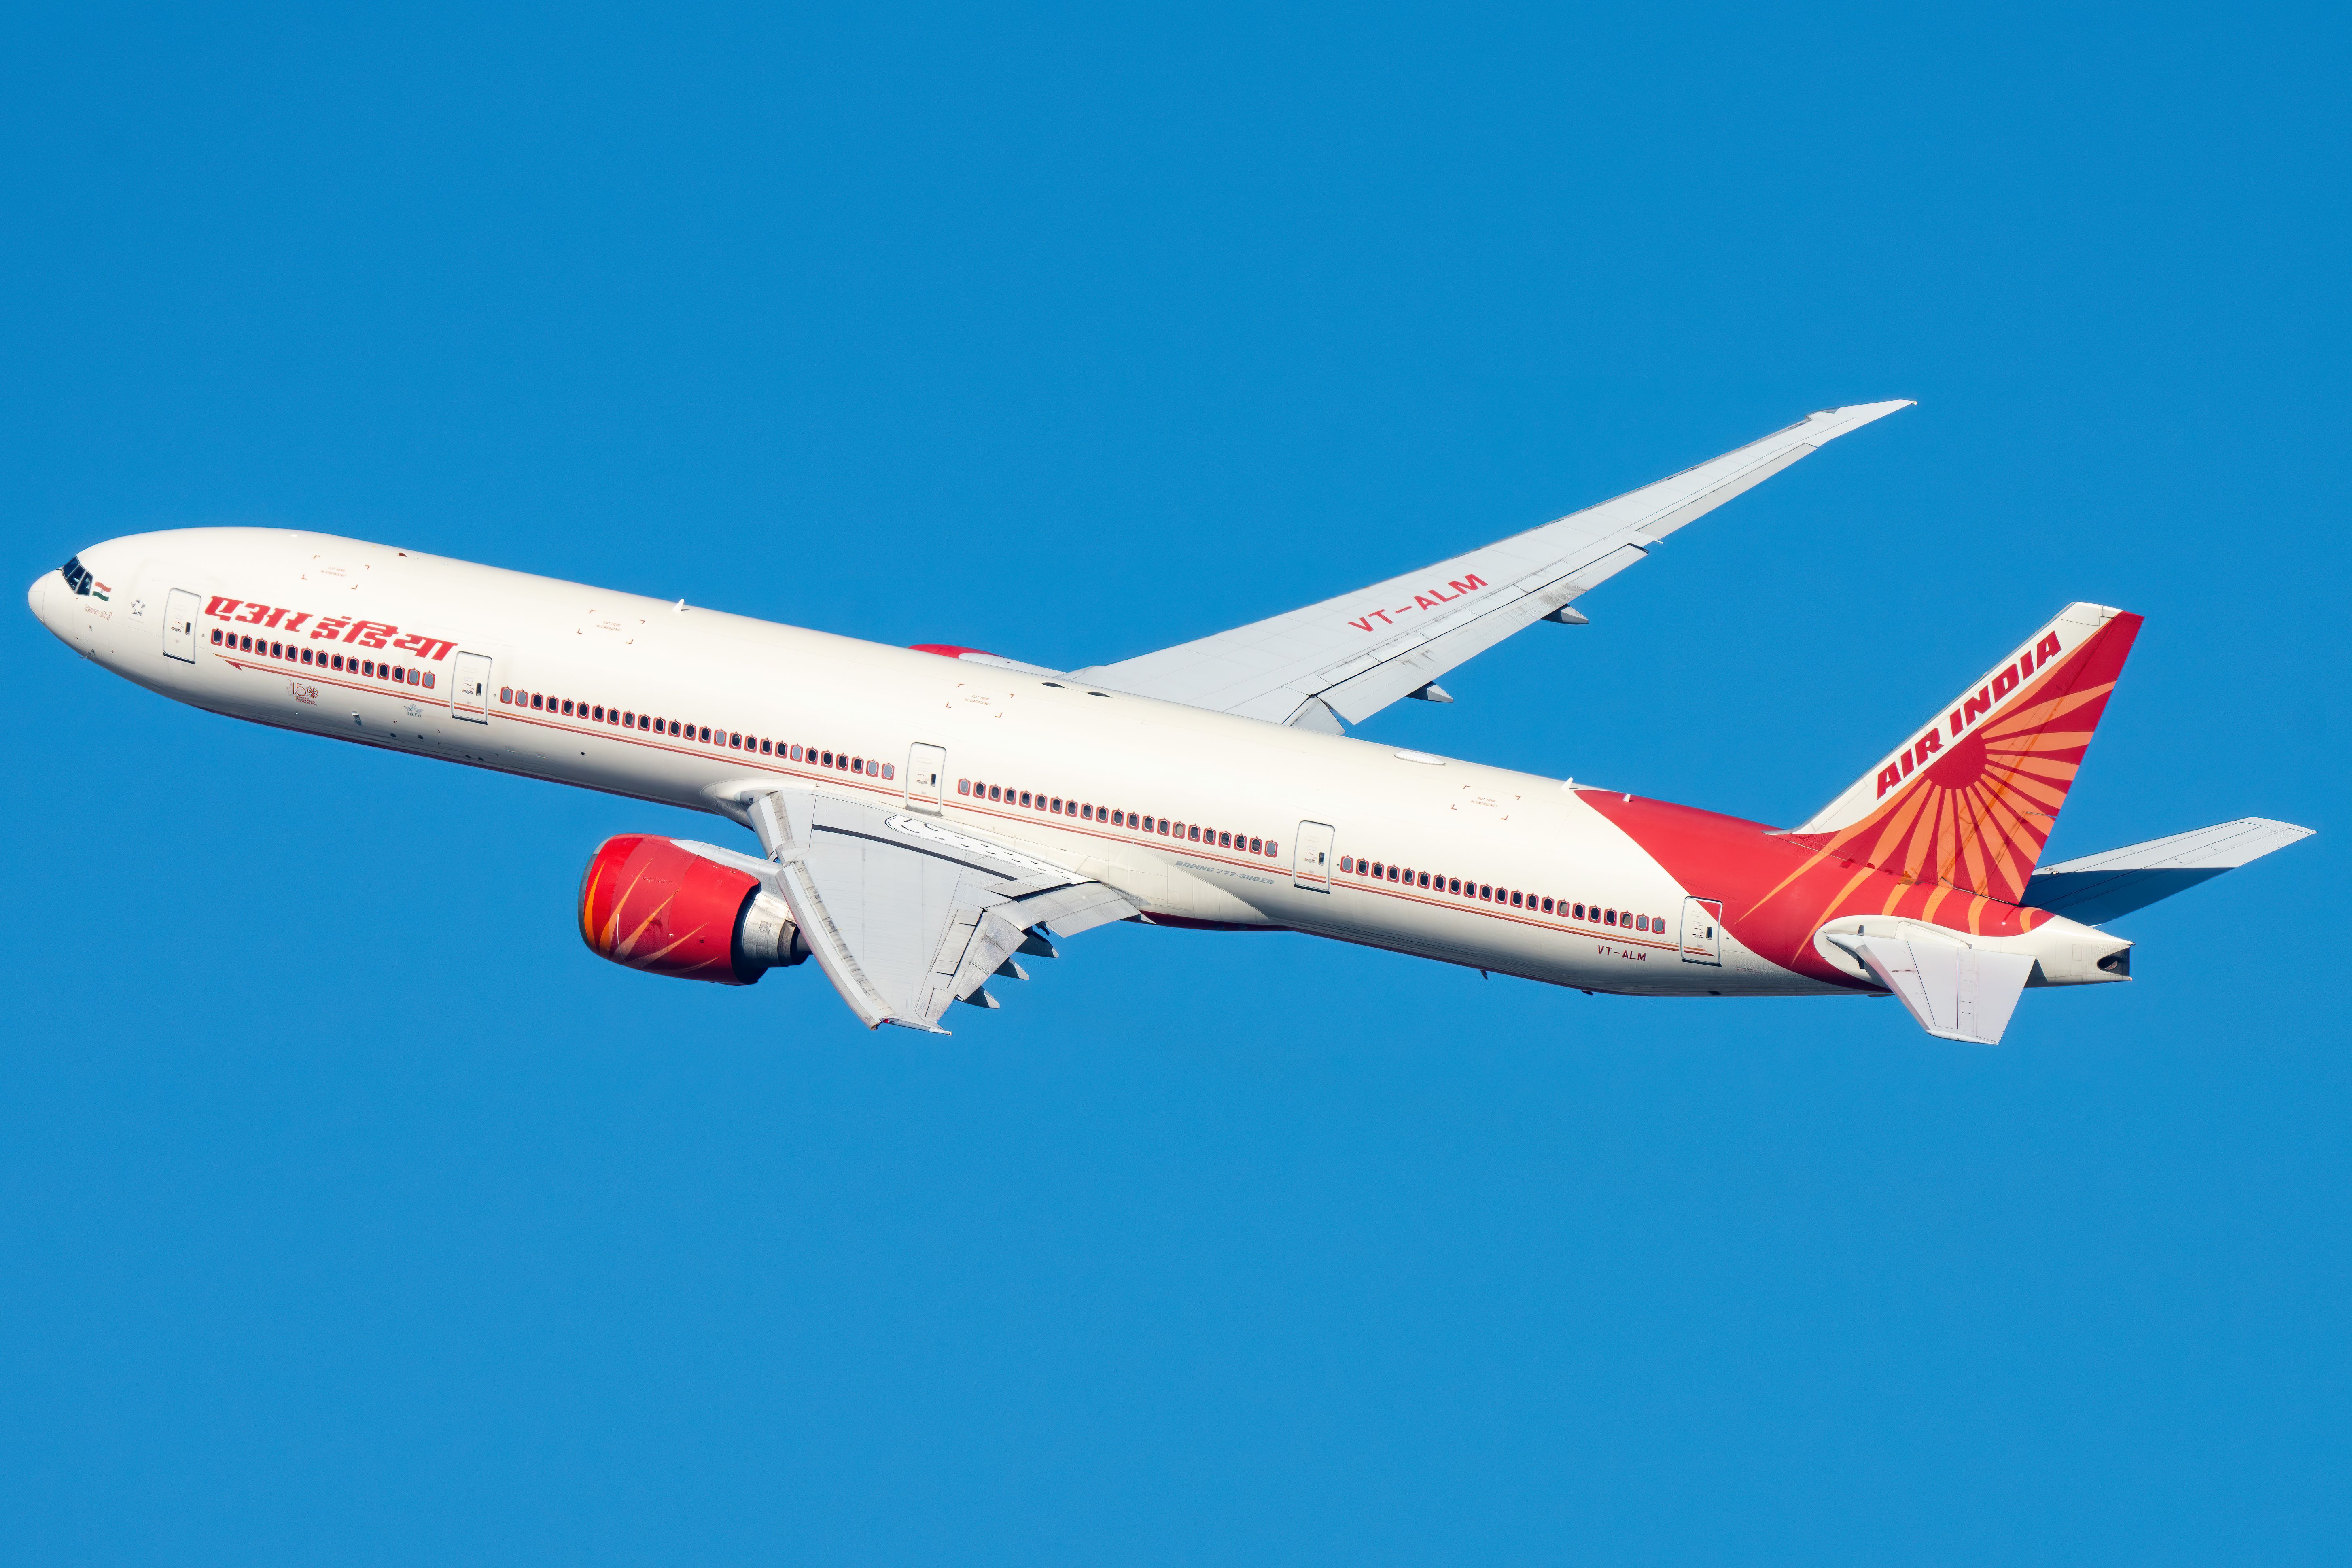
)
(37, 597)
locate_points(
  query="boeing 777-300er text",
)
(930, 816)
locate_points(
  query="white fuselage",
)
(1090, 752)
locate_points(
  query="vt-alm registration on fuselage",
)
(926, 817)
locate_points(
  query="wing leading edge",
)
(1350, 656)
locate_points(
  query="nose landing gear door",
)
(1703, 930)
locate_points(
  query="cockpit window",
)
(77, 576)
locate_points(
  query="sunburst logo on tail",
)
(1969, 801)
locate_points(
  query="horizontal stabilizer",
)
(1964, 993)
(2095, 889)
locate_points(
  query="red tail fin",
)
(1970, 799)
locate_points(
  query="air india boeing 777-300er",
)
(928, 816)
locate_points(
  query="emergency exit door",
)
(469, 688)
(179, 626)
(1703, 930)
(1311, 869)
(927, 777)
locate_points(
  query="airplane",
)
(926, 818)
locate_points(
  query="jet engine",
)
(657, 905)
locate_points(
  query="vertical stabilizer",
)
(1970, 799)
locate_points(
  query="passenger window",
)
(339, 661)
(428, 680)
(1515, 898)
(995, 792)
(963, 787)
(1348, 864)
(217, 636)
(1487, 892)
(1119, 819)
(1193, 833)
(889, 770)
(1271, 846)
(1256, 847)
(1609, 918)
(1424, 879)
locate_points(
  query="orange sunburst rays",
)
(1985, 832)
(627, 947)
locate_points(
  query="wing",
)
(1352, 655)
(2095, 889)
(905, 914)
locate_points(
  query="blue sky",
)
(353, 1212)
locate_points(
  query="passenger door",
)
(469, 691)
(179, 626)
(927, 777)
(1702, 931)
(1310, 867)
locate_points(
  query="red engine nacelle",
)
(653, 904)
